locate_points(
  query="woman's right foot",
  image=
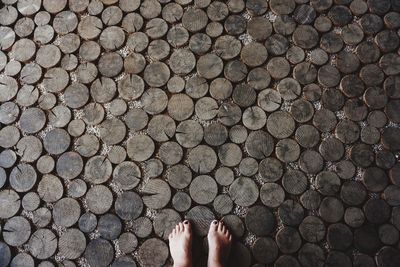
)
(219, 244)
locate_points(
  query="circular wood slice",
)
(45, 164)
(161, 128)
(142, 227)
(69, 165)
(259, 144)
(153, 252)
(87, 222)
(354, 217)
(203, 189)
(287, 150)
(243, 191)
(30, 201)
(127, 242)
(223, 204)
(312, 229)
(72, 244)
(291, 212)
(99, 252)
(128, 206)
(29, 148)
(99, 199)
(41, 217)
(87, 145)
(77, 188)
(22, 259)
(157, 194)
(127, 175)
(339, 236)
(6, 252)
(66, 212)
(248, 166)
(331, 209)
(140, 147)
(179, 176)
(16, 231)
(165, 221)
(262, 244)
(181, 201)
(202, 159)
(201, 218)
(50, 188)
(32, 120)
(327, 183)
(109, 226)
(56, 141)
(98, 170)
(260, 220)
(209, 66)
(22, 177)
(42, 244)
(280, 124)
(366, 239)
(59, 116)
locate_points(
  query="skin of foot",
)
(180, 244)
(219, 244)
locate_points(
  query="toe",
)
(186, 225)
(220, 227)
(180, 227)
(230, 237)
(214, 225)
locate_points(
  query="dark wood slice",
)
(289, 89)
(387, 256)
(29, 148)
(312, 229)
(176, 84)
(42, 244)
(111, 38)
(9, 112)
(385, 159)
(89, 50)
(153, 168)
(368, 52)
(391, 195)
(22, 177)
(305, 36)
(99, 199)
(371, 23)
(87, 222)
(23, 50)
(261, 245)
(370, 135)
(280, 124)
(319, 57)
(140, 147)
(98, 170)
(50, 188)
(258, 78)
(328, 76)
(201, 218)
(127, 175)
(362, 155)
(235, 25)
(295, 55)
(240, 255)
(227, 47)
(77, 188)
(6, 252)
(272, 195)
(304, 14)
(291, 212)
(7, 159)
(217, 11)
(366, 239)
(234, 224)
(305, 73)
(41, 217)
(331, 209)
(136, 119)
(224, 176)
(389, 139)
(16, 231)
(124, 261)
(229, 114)
(142, 227)
(134, 63)
(327, 183)
(238, 134)
(388, 234)
(69, 165)
(277, 45)
(181, 201)
(235, 71)
(99, 252)
(371, 75)
(325, 120)
(109, 226)
(72, 244)
(288, 240)
(311, 162)
(229, 154)
(127, 242)
(153, 252)
(170, 153)
(375, 179)
(178, 36)
(6, 33)
(270, 169)
(254, 54)
(353, 193)
(307, 136)
(189, 133)
(339, 236)
(86, 72)
(391, 20)
(110, 64)
(354, 217)
(284, 260)
(161, 128)
(27, 95)
(179, 176)
(202, 159)
(76, 95)
(358, 8)
(331, 149)
(377, 211)
(256, 7)
(32, 120)
(223, 204)
(287, 150)
(200, 43)
(302, 110)
(209, 66)
(248, 166)
(244, 95)
(203, 189)
(391, 86)
(66, 212)
(347, 131)
(154, 101)
(331, 43)
(352, 34)
(22, 259)
(294, 182)
(282, 7)
(243, 191)
(375, 98)
(87, 145)
(255, 24)
(394, 174)
(165, 221)
(112, 131)
(260, 220)
(157, 194)
(392, 109)
(338, 258)
(259, 144)
(172, 12)
(347, 62)
(30, 201)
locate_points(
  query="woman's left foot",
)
(180, 244)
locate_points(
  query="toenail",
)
(215, 222)
(185, 222)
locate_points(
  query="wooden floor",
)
(121, 118)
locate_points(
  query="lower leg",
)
(180, 245)
(219, 244)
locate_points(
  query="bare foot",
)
(219, 244)
(180, 244)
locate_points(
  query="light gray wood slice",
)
(30, 201)
(127, 242)
(59, 116)
(47, 101)
(99, 252)
(202, 159)
(142, 227)
(56, 141)
(189, 133)
(32, 120)
(9, 112)
(66, 212)
(27, 95)
(65, 22)
(45, 164)
(87, 145)
(127, 175)
(55, 80)
(72, 244)
(230, 154)
(9, 136)
(112, 131)
(7, 159)
(109, 226)
(23, 50)
(22, 259)
(259, 144)
(181, 201)
(203, 189)
(209, 66)
(161, 128)
(156, 74)
(93, 114)
(86, 72)
(41, 217)
(42, 244)
(215, 134)
(243, 191)
(98, 170)
(76, 95)
(112, 38)
(87, 222)
(16, 231)
(170, 153)
(140, 147)
(153, 252)
(69, 165)
(128, 206)
(77, 188)
(22, 177)
(136, 119)
(180, 107)
(29, 148)
(157, 194)
(110, 64)
(154, 101)
(50, 188)
(165, 221)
